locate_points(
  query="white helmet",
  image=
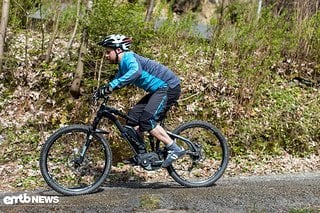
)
(116, 41)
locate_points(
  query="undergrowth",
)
(242, 80)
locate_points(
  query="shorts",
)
(152, 108)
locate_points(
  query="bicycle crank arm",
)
(194, 154)
(101, 131)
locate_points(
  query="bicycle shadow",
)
(125, 179)
(120, 185)
(129, 185)
(143, 185)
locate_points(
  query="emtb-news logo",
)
(26, 199)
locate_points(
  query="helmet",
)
(116, 41)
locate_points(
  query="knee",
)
(147, 122)
(134, 115)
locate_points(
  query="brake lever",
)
(95, 98)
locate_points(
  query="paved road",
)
(282, 193)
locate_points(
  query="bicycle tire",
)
(205, 171)
(58, 156)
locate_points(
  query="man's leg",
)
(152, 113)
(135, 112)
(161, 134)
(174, 151)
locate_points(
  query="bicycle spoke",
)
(64, 154)
(205, 162)
(61, 166)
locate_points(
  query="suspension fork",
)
(89, 137)
(85, 147)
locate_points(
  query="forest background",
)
(251, 68)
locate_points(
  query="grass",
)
(241, 85)
(149, 202)
(304, 210)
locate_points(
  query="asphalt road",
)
(284, 193)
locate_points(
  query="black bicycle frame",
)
(110, 112)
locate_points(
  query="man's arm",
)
(133, 72)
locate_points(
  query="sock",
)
(173, 147)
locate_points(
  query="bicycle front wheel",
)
(205, 162)
(60, 161)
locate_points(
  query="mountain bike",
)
(77, 159)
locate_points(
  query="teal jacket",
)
(144, 73)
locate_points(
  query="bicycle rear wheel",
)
(204, 165)
(59, 161)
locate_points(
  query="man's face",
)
(111, 54)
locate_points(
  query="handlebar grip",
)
(96, 96)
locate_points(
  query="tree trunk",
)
(259, 8)
(149, 11)
(182, 6)
(75, 87)
(217, 31)
(26, 59)
(42, 30)
(55, 31)
(3, 29)
(74, 30)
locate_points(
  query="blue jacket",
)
(144, 73)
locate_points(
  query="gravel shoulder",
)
(270, 193)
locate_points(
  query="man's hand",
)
(103, 91)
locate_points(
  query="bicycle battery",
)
(135, 141)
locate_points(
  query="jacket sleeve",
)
(131, 70)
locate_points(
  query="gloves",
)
(103, 91)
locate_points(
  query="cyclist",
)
(162, 85)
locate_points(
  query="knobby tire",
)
(59, 154)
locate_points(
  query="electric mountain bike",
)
(76, 159)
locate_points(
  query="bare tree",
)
(182, 6)
(259, 8)
(149, 11)
(3, 28)
(302, 8)
(75, 87)
(217, 30)
(57, 8)
(74, 29)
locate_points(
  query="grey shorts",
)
(152, 108)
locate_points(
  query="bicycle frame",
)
(204, 146)
(110, 112)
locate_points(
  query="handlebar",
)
(96, 97)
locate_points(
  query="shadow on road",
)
(130, 184)
(145, 185)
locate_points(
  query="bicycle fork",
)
(90, 135)
(78, 161)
